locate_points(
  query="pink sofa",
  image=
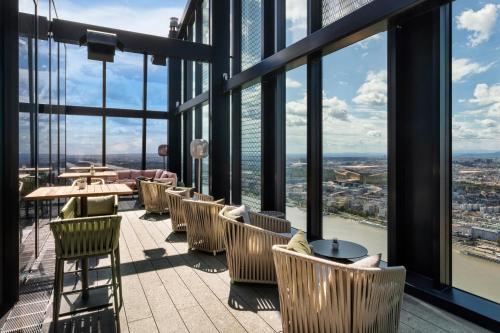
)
(128, 176)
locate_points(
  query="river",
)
(475, 275)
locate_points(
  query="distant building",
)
(486, 234)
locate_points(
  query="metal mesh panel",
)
(333, 10)
(251, 160)
(204, 76)
(251, 35)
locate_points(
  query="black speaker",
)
(101, 45)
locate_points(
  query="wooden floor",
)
(167, 288)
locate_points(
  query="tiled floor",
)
(167, 288)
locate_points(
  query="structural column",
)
(219, 102)
(174, 121)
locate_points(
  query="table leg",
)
(85, 278)
(89, 180)
(83, 204)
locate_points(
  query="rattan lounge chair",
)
(318, 295)
(248, 246)
(155, 199)
(82, 238)
(175, 196)
(205, 230)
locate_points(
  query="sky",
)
(354, 78)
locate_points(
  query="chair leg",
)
(58, 285)
(115, 295)
(119, 273)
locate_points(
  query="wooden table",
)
(56, 192)
(30, 170)
(87, 168)
(76, 175)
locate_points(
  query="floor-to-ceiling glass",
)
(355, 144)
(124, 143)
(476, 147)
(156, 134)
(83, 140)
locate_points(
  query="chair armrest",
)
(270, 223)
(69, 210)
(115, 207)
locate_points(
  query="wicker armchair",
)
(248, 246)
(202, 197)
(154, 197)
(105, 205)
(82, 238)
(318, 295)
(175, 196)
(204, 228)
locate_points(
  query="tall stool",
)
(86, 237)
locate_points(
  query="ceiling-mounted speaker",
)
(101, 45)
(158, 60)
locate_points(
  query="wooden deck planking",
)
(167, 288)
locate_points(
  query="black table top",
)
(347, 250)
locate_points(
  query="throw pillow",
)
(298, 243)
(241, 211)
(368, 262)
(104, 205)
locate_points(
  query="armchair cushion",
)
(135, 173)
(101, 205)
(240, 214)
(123, 174)
(158, 173)
(299, 243)
(368, 262)
(149, 173)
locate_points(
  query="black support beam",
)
(70, 32)
(193, 102)
(174, 123)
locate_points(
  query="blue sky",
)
(355, 78)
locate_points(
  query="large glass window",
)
(124, 143)
(157, 87)
(296, 147)
(83, 140)
(124, 81)
(251, 149)
(476, 146)
(83, 78)
(296, 20)
(156, 134)
(205, 5)
(251, 34)
(355, 144)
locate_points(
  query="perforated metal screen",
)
(333, 10)
(251, 154)
(251, 34)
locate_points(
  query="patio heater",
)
(199, 150)
(163, 151)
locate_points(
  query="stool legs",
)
(115, 290)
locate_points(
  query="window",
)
(83, 78)
(157, 87)
(355, 144)
(475, 155)
(24, 79)
(296, 147)
(43, 71)
(251, 149)
(124, 143)
(156, 134)
(251, 34)
(205, 5)
(296, 20)
(83, 140)
(124, 81)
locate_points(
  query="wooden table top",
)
(87, 168)
(55, 192)
(25, 170)
(71, 175)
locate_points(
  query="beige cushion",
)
(158, 173)
(299, 243)
(101, 205)
(240, 213)
(370, 261)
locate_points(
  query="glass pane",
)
(296, 147)
(124, 143)
(205, 123)
(355, 144)
(157, 134)
(83, 78)
(476, 145)
(124, 81)
(205, 76)
(206, 21)
(251, 150)
(43, 71)
(24, 79)
(157, 87)
(296, 20)
(83, 140)
(251, 16)
(43, 148)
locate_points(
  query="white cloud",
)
(487, 122)
(486, 95)
(465, 67)
(148, 20)
(291, 83)
(364, 43)
(480, 23)
(374, 133)
(335, 108)
(296, 13)
(372, 94)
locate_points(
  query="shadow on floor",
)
(242, 297)
(99, 321)
(151, 217)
